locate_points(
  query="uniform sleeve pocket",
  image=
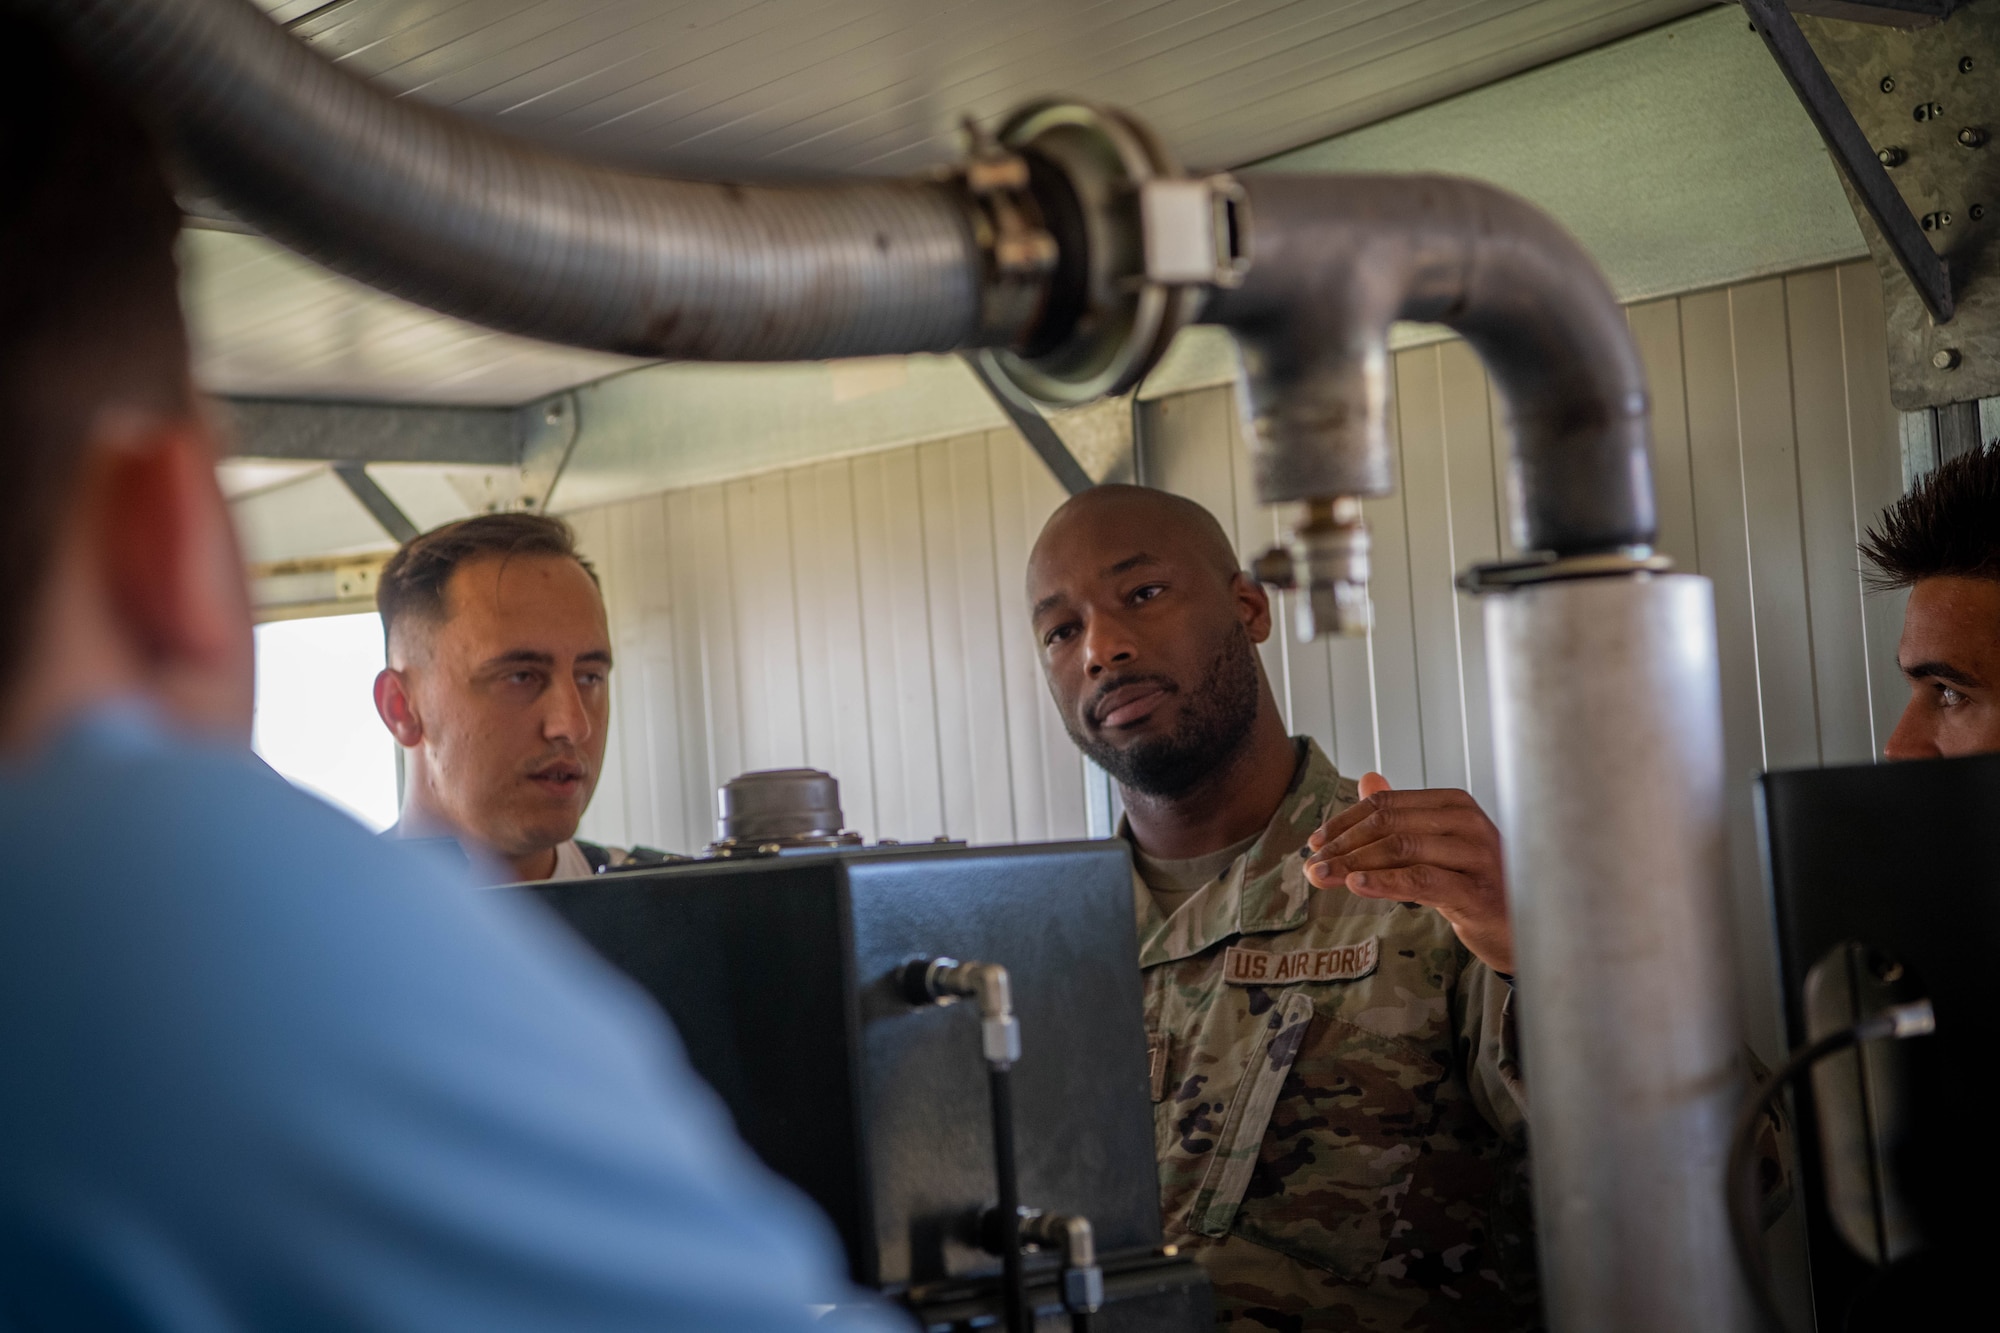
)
(1336, 1155)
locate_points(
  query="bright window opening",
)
(316, 720)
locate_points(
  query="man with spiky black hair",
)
(1942, 542)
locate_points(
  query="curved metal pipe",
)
(1335, 260)
(428, 206)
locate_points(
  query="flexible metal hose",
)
(426, 205)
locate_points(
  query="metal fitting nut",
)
(1945, 358)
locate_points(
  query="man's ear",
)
(397, 709)
(1253, 605)
(172, 568)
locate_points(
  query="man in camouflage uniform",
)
(1339, 1117)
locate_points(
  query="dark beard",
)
(1215, 724)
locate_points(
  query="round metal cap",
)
(778, 805)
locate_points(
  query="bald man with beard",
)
(1338, 1112)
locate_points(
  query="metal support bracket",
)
(1028, 419)
(1927, 270)
(354, 476)
(536, 440)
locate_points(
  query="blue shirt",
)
(265, 1071)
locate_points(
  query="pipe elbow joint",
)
(1335, 261)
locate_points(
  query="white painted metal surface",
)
(814, 87)
(267, 323)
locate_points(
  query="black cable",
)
(1014, 1283)
(1905, 1020)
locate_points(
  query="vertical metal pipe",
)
(1608, 743)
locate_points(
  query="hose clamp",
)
(1137, 246)
(1019, 252)
(1507, 575)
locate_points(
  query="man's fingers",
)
(1426, 884)
(1340, 823)
(1444, 850)
(1466, 822)
(1387, 798)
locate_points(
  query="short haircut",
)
(1949, 524)
(89, 299)
(412, 586)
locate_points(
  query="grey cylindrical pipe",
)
(455, 217)
(1608, 748)
(1335, 260)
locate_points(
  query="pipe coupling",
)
(1138, 244)
(1325, 567)
(1082, 1277)
(943, 981)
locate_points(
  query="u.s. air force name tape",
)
(1265, 967)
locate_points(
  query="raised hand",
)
(1435, 847)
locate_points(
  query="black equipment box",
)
(780, 974)
(1885, 882)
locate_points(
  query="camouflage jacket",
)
(1338, 1114)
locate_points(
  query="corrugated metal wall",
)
(866, 615)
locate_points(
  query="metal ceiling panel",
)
(776, 88)
(814, 87)
(267, 323)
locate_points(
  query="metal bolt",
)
(1972, 137)
(1965, 64)
(1888, 84)
(1928, 111)
(1892, 157)
(1945, 358)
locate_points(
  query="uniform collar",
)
(1265, 889)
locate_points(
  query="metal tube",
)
(1016, 1314)
(1608, 749)
(447, 213)
(1335, 260)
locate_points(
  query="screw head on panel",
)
(1965, 64)
(1972, 137)
(1892, 156)
(1945, 358)
(1888, 83)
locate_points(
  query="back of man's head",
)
(1948, 526)
(413, 594)
(90, 319)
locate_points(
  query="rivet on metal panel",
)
(1888, 84)
(1977, 211)
(1965, 64)
(1945, 358)
(1972, 137)
(1892, 156)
